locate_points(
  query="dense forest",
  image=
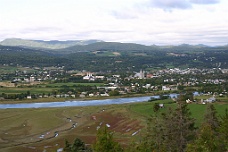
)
(117, 57)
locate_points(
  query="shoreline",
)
(75, 103)
(42, 100)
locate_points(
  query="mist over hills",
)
(52, 44)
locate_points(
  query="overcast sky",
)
(160, 22)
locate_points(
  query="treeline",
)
(172, 131)
(126, 60)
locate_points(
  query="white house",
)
(29, 97)
(210, 100)
(89, 77)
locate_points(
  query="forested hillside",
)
(53, 44)
(113, 56)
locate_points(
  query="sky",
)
(148, 22)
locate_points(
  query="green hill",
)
(53, 44)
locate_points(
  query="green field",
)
(12, 69)
(43, 88)
(34, 90)
(71, 84)
(197, 110)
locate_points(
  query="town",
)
(56, 82)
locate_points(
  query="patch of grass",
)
(197, 110)
(105, 53)
(12, 69)
(146, 108)
(33, 90)
(71, 84)
(43, 88)
(38, 119)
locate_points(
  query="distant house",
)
(82, 96)
(91, 95)
(149, 75)
(161, 105)
(31, 79)
(89, 77)
(45, 96)
(188, 101)
(168, 88)
(73, 95)
(66, 95)
(100, 77)
(165, 88)
(210, 100)
(104, 95)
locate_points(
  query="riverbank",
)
(51, 99)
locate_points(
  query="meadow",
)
(43, 88)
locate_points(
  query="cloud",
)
(204, 1)
(171, 4)
(123, 15)
(40, 29)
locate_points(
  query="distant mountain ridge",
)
(73, 46)
(52, 44)
(103, 56)
(111, 46)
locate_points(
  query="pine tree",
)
(172, 131)
(223, 131)
(210, 136)
(211, 118)
(105, 142)
(205, 141)
(155, 134)
(77, 146)
(67, 147)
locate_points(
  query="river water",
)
(77, 103)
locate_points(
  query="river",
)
(80, 103)
(77, 103)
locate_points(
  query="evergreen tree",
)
(172, 131)
(155, 134)
(205, 142)
(223, 131)
(211, 118)
(105, 143)
(207, 139)
(67, 147)
(77, 146)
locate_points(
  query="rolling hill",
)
(53, 44)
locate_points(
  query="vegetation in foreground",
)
(29, 129)
(172, 131)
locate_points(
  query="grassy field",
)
(12, 69)
(34, 129)
(12, 90)
(197, 110)
(71, 84)
(43, 88)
